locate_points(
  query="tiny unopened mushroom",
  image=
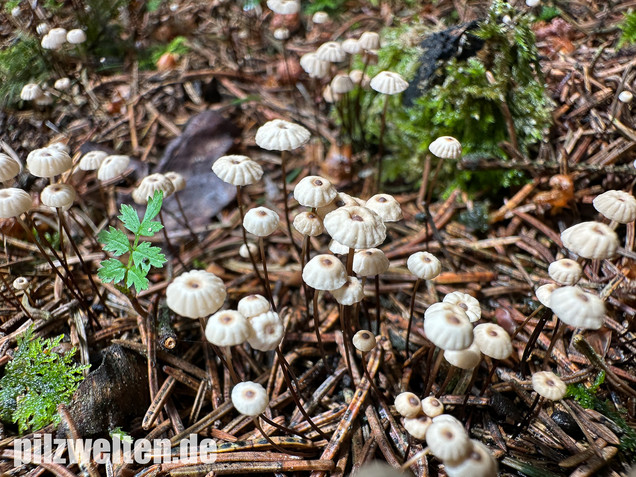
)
(331, 51)
(616, 205)
(577, 308)
(385, 206)
(58, 196)
(593, 240)
(249, 398)
(565, 271)
(9, 168)
(113, 166)
(281, 34)
(92, 160)
(266, 331)
(446, 147)
(544, 293)
(355, 227)
(42, 29)
(48, 162)
(369, 40)
(195, 294)
(76, 36)
(261, 221)
(14, 202)
(548, 385)
(237, 170)
(227, 328)
(493, 340)
(448, 329)
(309, 224)
(424, 265)
(478, 463)
(467, 358)
(253, 305)
(246, 250)
(625, 97)
(151, 184)
(408, 404)
(432, 407)
(417, 426)
(324, 272)
(320, 17)
(314, 191)
(30, 92)
(364, 341)
(448, 442)
(466, 302)
(350, 293)
(62, 84)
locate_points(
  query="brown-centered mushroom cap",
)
(355, 227)
(324, 272)
(14, 202)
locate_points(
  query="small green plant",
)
(549, 12)
(585, 396)
(141, 255)
(628, 29)
(36, 381)
(178, 46)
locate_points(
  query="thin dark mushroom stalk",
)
(316, 316)
(283, 161)
(239, 200)
(268, 287)
(173, 250)
(411, 312)
(274, 444)
(365, 342)
(186, 222)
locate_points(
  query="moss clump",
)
(628, 29)
(21, 63)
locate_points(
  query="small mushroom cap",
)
(42, 28)
(533, 3)
(448, 418)
(281, 34)
(14, 202)
(62, 84)
(358, 77)
(625, 96)
(237, 170)
(9, 168)
(314, 191)
(565, 271)
(369, 40)
(478, 463)
(577, 308)
(49, 42)
(308, 223)
(341, 84)
(548, 385)
(364, 341)
(386, 207)
(48, 162)
(424, 265)
(58, 196)
(195, 294)
(590, 240)
(178, 181)
(320, 17)
(388, 82)
(91, 161)
(355, 227)
(351, 46)
(324, 272)
(313, 66)
(466, 302)
(261, 221)
(284, 7)
(58, 34)
(76, 36)
(544, 293)
(329, 96)
(253, 305)
(337, 248)
(446, 147)
(151, 184)
(245, 250)
(432, 406)
(448, 442)
(417, 426)
(280, 135)
(227, 328)
(408, 404)
(30, 92)
(448, 328)
(267, 331)
(616, 205)
(350, 293)
(464, 358)
(370, 262)
(493, 340)
(331, 51)
(21, 283)
(113, 166)
(249, 398)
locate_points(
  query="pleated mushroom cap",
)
(478, 463)
(417, 426)
(369, 40)
(432, 407)
(9, 168)
(565, 271)
(616, 205)
(355, 227)
(544, 293)
(370, 262)
(92, 160)
(253, 305)
(14, 202)
(341, 200)
(388, 82)
(424, 265)
(267, 331)
(313, 66)
(448, 442)
(448, 329)
(493, 340)
(386, 207)
(446, 147)
(246, 250)
(113, 166)
(227, 328)
(466, 302)
(351, 46)
(590, 240)
(261, 221)
(331, 51)
(51, 42)
(314, 191)
(59, 196)
(284, 7)
(341, 84)
(59, 146)
(464, 358)
(548, 385)
(308, 223)
(249, 398)
(577, 308)
(58, 34)
(31, 91)
(46, 162)
(237, 170)
(324, 272)
(364, 341)
(151, 184)
(349, 293)
(408, 404)
(280, 135)
(178, 181)
(195, 294)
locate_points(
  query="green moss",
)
(21, 63)
(628, 29)
(177, 46)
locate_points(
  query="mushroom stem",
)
(449, 376)
(430, 378)
(227, 353)
(543, 318)
(272, 443)
(285, 193)
(345, 339)
(280, 427)
(493, 367)
(370, 378)
(239, 201)
(185, 218)
(381, 141)
(317, 330)
(414, 459)
(526, 419)
(303, 260)
(173, 250)
(268, 288)
(350, 262)
(411, 310)
(15, 297)
(377, 304)
(557, 333)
